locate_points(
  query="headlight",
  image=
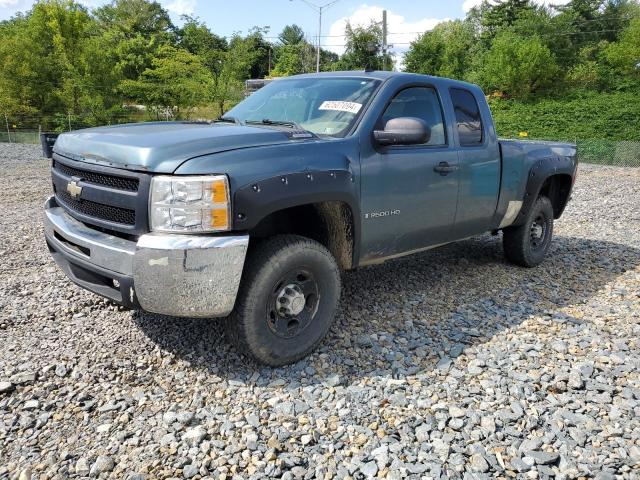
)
(190, 204)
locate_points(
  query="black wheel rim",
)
(293, 303)
(538, 232)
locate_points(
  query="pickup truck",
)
(252, 217)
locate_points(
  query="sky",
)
(406, 18)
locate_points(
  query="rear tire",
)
(527, 244)
(287, 300)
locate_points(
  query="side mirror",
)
(403, 131)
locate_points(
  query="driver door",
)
(408, 199)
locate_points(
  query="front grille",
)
(96, 210)
(108, 198)
(121, 183)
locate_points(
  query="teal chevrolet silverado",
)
(252, 217)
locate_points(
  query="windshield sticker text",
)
(351, 107)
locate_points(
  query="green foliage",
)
(293, 59)
(496, 16)
(291, 35)
(48, 62)
(364, 49)
(625, 54)
(518, 65)
(294, 55)
(232, 66)
(561, 71)
(445, 51)
(175, 83)
(586, 114)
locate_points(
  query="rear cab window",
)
(468, 118)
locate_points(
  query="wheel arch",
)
(552, 177)
(322, 206)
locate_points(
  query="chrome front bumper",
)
(180, 275)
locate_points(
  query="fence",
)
(624, 153)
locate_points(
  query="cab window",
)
(468, 120)
(418, 102)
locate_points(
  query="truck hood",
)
(162, 146)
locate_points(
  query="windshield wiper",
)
(284, 123)
(226, 119)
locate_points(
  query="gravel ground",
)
(447, 364)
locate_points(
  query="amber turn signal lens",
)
(218, 191)
(219, 218)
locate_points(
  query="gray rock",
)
(194, 436)
(6, 387)
(82, 467)
(381, 455)
(519, 466)
(441, 448)
(168, 439)
(23, 378)
(422, 433)
(102, 464)
(189, 471)
(253, 420)
(60, 370)
(416, 468)
(478, 463)
(369, 469)
(333, 380)
(185, 418)
(456, 412)
(169, 417)
(634, 454)
(543, 458)
(456, 424)
(31, 405)
(488, 425)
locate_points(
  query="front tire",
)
(287, 300)
(528, 244)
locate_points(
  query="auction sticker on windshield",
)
(341, 106)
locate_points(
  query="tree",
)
(135, 17)
(625, 54)
(518, 66)
(196, 38)
(132, 31)
(499, 15)
(233, 66)
(174, 84)
(445, 51)
(363, 49)
(292, 59)
(293, 54)
(291, 35)
(46, 65)
(258, 51)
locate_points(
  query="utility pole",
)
(319, 9)
(384, 40)
(319, 36)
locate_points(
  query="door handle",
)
(443, 168)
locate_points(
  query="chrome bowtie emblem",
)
(74, 189)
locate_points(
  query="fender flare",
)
(540, 171)
(255, 201)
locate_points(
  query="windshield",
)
(324, 106)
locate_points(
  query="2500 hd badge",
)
(254, 216)
(385, 213)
